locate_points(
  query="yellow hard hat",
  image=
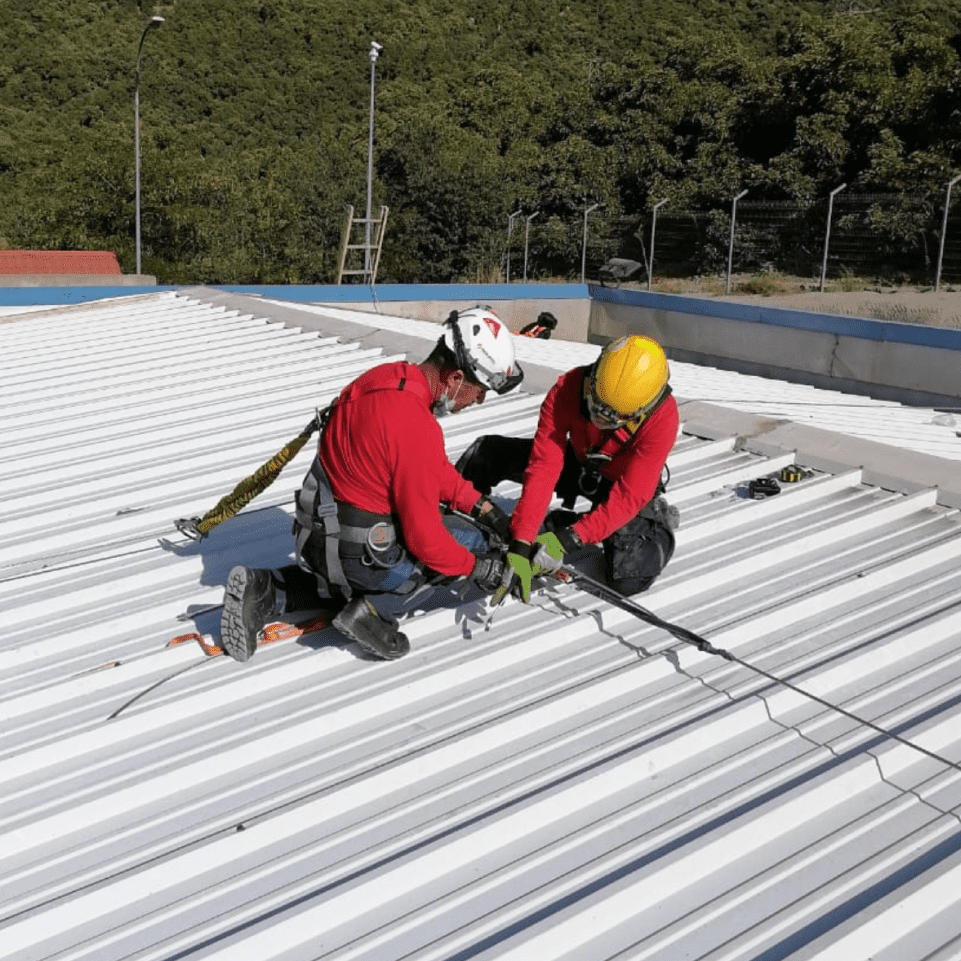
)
(628, 378)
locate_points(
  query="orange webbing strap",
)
(274, 631)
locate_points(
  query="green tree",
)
(254, 124)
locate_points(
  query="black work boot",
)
(248, 603)
(360, 622)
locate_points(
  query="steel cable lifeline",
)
(197, 528)
(605, 593)
(264, 476)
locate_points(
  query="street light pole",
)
(944, 230)
(154, 22)
(510, 227)
(527, 232)
(650, 262)
(584, 245)
(730, 248)
(375, 49)
(827, 233)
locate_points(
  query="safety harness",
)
(590, 480)
(345, 530)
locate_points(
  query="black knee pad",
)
(636, 554)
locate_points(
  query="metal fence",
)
(892, 237)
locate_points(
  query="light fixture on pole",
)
(584, 245)
(944, 230)
(827, 234)
(527, 233)
(375, 49)
(510, 227)
(730, 248)
(650, 261)
(154, 23)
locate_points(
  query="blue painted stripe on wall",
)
(317, 293)
(779, 317)
(60, 296)
(467, 293)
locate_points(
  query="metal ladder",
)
(370, 256)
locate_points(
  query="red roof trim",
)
(59, 262)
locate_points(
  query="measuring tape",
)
(792, 474)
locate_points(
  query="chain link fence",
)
(890, 237)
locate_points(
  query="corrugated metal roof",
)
(565, 781)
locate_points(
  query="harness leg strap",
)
(315, 502)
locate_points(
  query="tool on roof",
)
(763, 487)
(197, 528)
(793, 474)
(541, 328)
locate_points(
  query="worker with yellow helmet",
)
(604, 434)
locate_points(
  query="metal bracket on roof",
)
(188, 527)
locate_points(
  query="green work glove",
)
(550, 548)
(518, 568)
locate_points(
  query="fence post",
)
(944, 230)
(730, 249)
(827, 234)
(510, 227)
(650, 259)
(527, 231)
(584, 245)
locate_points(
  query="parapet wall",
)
(904, 362)
(516, 304)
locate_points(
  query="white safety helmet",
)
(484, 348)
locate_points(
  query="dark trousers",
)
(634, 555)
(394, 584)
(492, 459)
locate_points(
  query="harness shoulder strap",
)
(624, 434)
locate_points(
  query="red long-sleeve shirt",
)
(635, 467)
(383, 451)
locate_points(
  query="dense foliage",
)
(254, 123)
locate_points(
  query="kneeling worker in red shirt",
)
(604, 433)
(368, 521)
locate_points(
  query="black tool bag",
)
(635, 554)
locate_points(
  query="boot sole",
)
(381, 654)
(233, 636)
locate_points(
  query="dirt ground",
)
(907, 305)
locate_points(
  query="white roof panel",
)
(563, 781)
